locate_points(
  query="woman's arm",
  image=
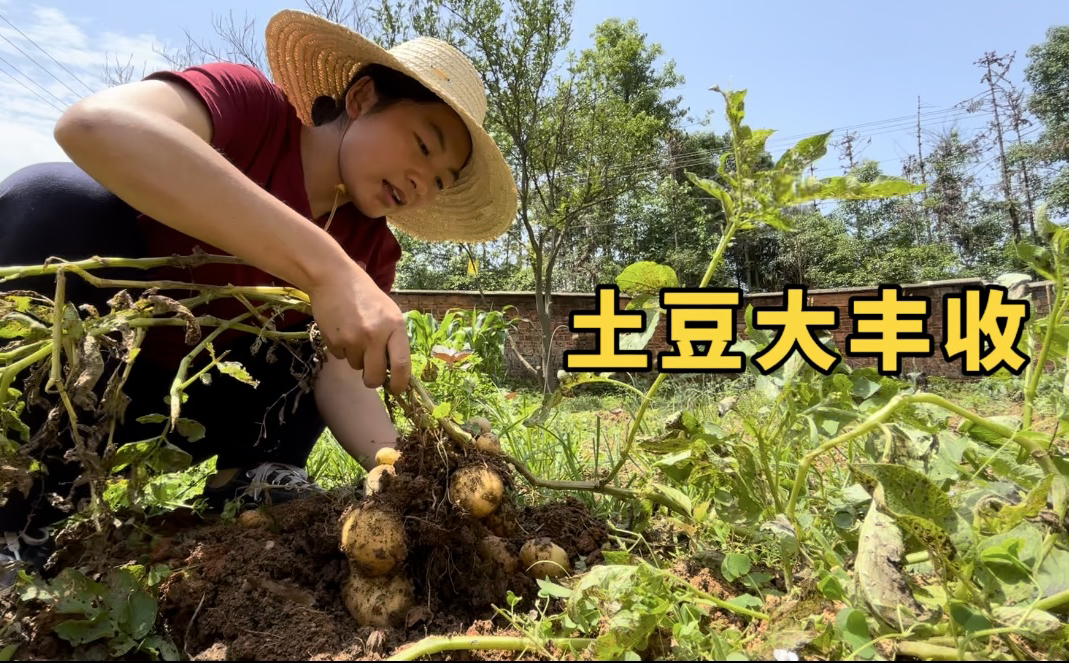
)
(355, 415)
(149, 143)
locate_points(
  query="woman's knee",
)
(56, 210)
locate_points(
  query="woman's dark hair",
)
(391, 86)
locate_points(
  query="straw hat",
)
(312, 57)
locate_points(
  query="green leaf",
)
(190, 429)
(734, 566)
(8, 652)
(1053, 576)
(674, 496)
(639, 340)
(167, 650)
(831, 588)
(152, 419)
(715, 190)
(235, 370)
(17, 325)
(646, 277)
(548, 589)
(805, 152)
(1031, 620)
(747, 601)
(864, 388)
(854, 630)
(442, 410)
(81, 631)
(918, 505)
(969, 619)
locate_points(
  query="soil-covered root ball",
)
(489, 443)
(542, 558)
(498, 550)
(477, 489)
(373, 483)
(379, 601)
(373, 539)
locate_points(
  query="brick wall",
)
(528, 335)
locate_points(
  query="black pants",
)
(56, 210)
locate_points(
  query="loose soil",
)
(273, 590)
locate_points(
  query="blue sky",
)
(808, 66)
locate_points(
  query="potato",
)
(374, 540)
(496, 549)
(489, 443)
(387, 456)
(544, 559)
(379, 601)
(501, 522)
(373, 483)
(477, 489)
(253, 518)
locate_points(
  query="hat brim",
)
(312, 57)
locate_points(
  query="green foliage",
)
(460, 358)
(105, 619)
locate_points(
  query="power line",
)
(37, 63)
(43, 88)
(30, 89)
(25, 36)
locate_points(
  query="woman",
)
(296, 179)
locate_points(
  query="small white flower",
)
(785, 655)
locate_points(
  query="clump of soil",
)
(273, 589)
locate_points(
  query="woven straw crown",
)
(312, 57)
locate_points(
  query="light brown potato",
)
(379, 601)
(373, 482)
(489, 443)
(476, 489)
(542, 558)
(253, 518)
(496, 549)
(501, 522)
(374, 540)
(387, 456)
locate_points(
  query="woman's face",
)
(399, 158)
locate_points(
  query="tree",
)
(1047, 74)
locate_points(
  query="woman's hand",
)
(363, 325)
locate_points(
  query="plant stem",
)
(56, 373)
(625, 453)
(21, 351)
(9, 374)
(436, 644)
(924, 650)
(11, 273)
(206, 321)
(1056, 315)
(424, 403)
(1054, 601)
(183, 366)
(204, 370)
(884, 413)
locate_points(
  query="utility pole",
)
(924, 176)
(988, 60)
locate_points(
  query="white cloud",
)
(35, 86)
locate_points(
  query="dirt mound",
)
(273, 589)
